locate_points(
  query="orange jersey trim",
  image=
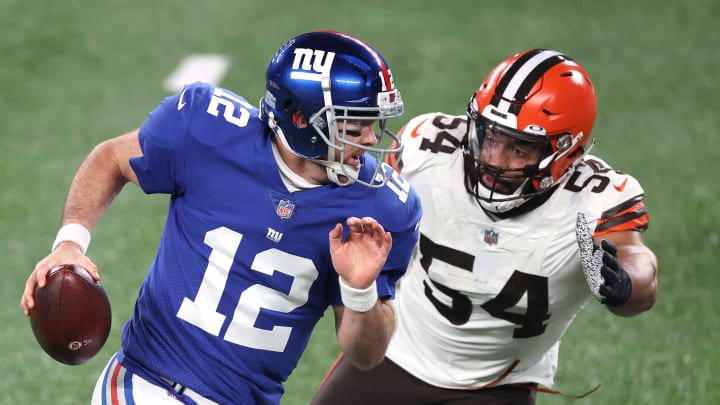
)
(632, 215)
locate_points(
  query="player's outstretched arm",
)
(364, 324)
(621, 270)
(640, 264)
(96, 184)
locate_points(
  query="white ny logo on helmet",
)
(309, 60)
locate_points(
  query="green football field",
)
(73, 73)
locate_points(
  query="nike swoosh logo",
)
(181, 103)
(621, 187)
(414, 133)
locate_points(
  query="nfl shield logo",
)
(285, 209)
(491, 237)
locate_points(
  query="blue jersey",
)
(243, 270)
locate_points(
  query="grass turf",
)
(73, 73)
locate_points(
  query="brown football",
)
(71, 319)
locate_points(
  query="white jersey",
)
(486, 302)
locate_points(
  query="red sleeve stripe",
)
(624, 218)
(611, 212)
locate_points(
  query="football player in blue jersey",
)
(275, 213)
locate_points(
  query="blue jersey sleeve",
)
(405, 231)
(397, 208)
(164, 138)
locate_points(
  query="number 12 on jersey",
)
(202, 311)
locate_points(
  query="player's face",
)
(504, 158)
(358, 131)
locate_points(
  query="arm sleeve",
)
(163, 140)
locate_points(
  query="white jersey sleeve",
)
(486, 302)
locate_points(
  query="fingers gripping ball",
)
(72, 317)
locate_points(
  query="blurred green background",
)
(73, 73)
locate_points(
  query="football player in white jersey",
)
(275, 214)
(521, 227)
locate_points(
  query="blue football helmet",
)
(332, 77)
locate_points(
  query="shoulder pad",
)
(431, 136)
(615, 198)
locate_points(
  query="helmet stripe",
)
(520, 78)
(512, 70)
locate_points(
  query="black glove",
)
(607, 280)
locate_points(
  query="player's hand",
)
(359, 258)
(609, 283)
(65, 253)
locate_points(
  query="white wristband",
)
(356, 299)
(73, 233)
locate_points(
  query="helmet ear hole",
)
(577, 153)
(299, 119)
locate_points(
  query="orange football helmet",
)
(539, 96)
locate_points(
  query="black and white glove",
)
(607, 280)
